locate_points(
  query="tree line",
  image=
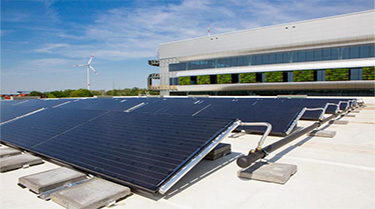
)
(87, 93)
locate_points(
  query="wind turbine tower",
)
(88, 67)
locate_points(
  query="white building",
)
(333, 54)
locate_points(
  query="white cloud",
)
(127, 33)
(39, 66)
(51, 48)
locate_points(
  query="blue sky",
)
(41, 40)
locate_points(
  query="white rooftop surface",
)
(334, 172)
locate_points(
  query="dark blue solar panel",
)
(118, 104)
(16, 108)
(245, 109)
(250, 110)
(8, 102)
(46, 103)
(36, 128)
(312, 115)
(139, 150)
(314, 103)
(11, 112)
(175, 106)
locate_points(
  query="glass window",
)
(319, 75)
(266, 59)
(345, 53)
(318, 55)
(173, 81)
(177, 66)
(234, 61)
(286, 57)
(335, 53)
(279, 58)
(364, 51)
(228, 62)
(302, 56)
(326, 54)
(354, 52)
(220, 63)
(202, 64)
(309, 55)
(273, 58)
(355, 74)
(256, 60)
(245, 61)
(294, 56)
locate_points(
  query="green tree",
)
(184, 80)
(341, 74)
(303, 75)
(247, 78)
(98, 92)
(36, 93)
(273, 76)
(67, 92)
(203, 79)
(368, 73)
(81, 93)
(51, 95)
(224, 78)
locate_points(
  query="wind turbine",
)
(88, 67)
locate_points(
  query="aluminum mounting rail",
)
(254, 155)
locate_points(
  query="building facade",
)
(333, 55)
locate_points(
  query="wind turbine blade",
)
(92, 56)
(96, 72)
(78, 65)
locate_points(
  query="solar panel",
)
(315, 103)
(10, 112)
(117, 104)
(283, 120)
(175, 106)
(144, 151)
(46, 103)
(17, 108)
(43, 125)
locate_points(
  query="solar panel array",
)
(142, 151)
(142, 142)
(16, 108)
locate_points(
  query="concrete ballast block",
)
(18, 161)
(95, 193)
(269, 172)
(323, 133)
(5, 152)
(52, 179)
(219, 151)
(339, 122)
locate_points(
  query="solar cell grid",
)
(10, 112)
(107, 104)
(48, 123)
(47, 103)
(174, 106)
